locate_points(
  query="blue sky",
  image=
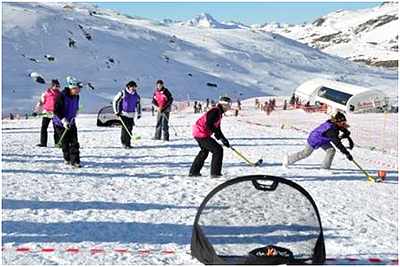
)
(247, 13)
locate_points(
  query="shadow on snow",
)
(133, 232)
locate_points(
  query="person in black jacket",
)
(207, 125)
(162, 99)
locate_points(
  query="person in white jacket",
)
(125, 105)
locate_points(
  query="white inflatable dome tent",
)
(341, 96)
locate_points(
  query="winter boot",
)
(76, 165)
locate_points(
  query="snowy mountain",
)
(367, 35)
(106, 49)
(205, 20)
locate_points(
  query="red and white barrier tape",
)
(381, 163)
(165, 252)
(92, 251)
(369, 260)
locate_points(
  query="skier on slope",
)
(162, 99)
(125, 105)
(65, 111)
(46, 106)
(322, 137)
(207, 125)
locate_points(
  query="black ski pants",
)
(208, 145)
(126, 136)
(70, 145)
(43, 131)
(162, 125)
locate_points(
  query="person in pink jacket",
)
(162, 99)
(46, 105)
(207, 125)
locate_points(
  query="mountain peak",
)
(204, 20)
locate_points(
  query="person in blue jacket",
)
(322, 137)
(65, 112)
(125, 105)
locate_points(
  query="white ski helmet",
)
(72, 82)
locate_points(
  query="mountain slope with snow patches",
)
(366, 35)
(106, 49)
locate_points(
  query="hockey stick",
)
(134, 138)
(257, 164)
(370, 178)
(173, 128)
(59, 144)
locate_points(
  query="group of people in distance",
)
(62, 107)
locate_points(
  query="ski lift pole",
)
(370, 178)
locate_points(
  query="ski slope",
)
(142, 198)
(195, 62)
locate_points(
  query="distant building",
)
(341, 96)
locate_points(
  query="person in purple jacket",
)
(322, 137)
(125, 105)
(65, 111)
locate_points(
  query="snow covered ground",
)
(142, 199)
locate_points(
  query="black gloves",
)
(351, 143)
(225, 142)
(345, 133)
(349, 157)
(139, 116)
